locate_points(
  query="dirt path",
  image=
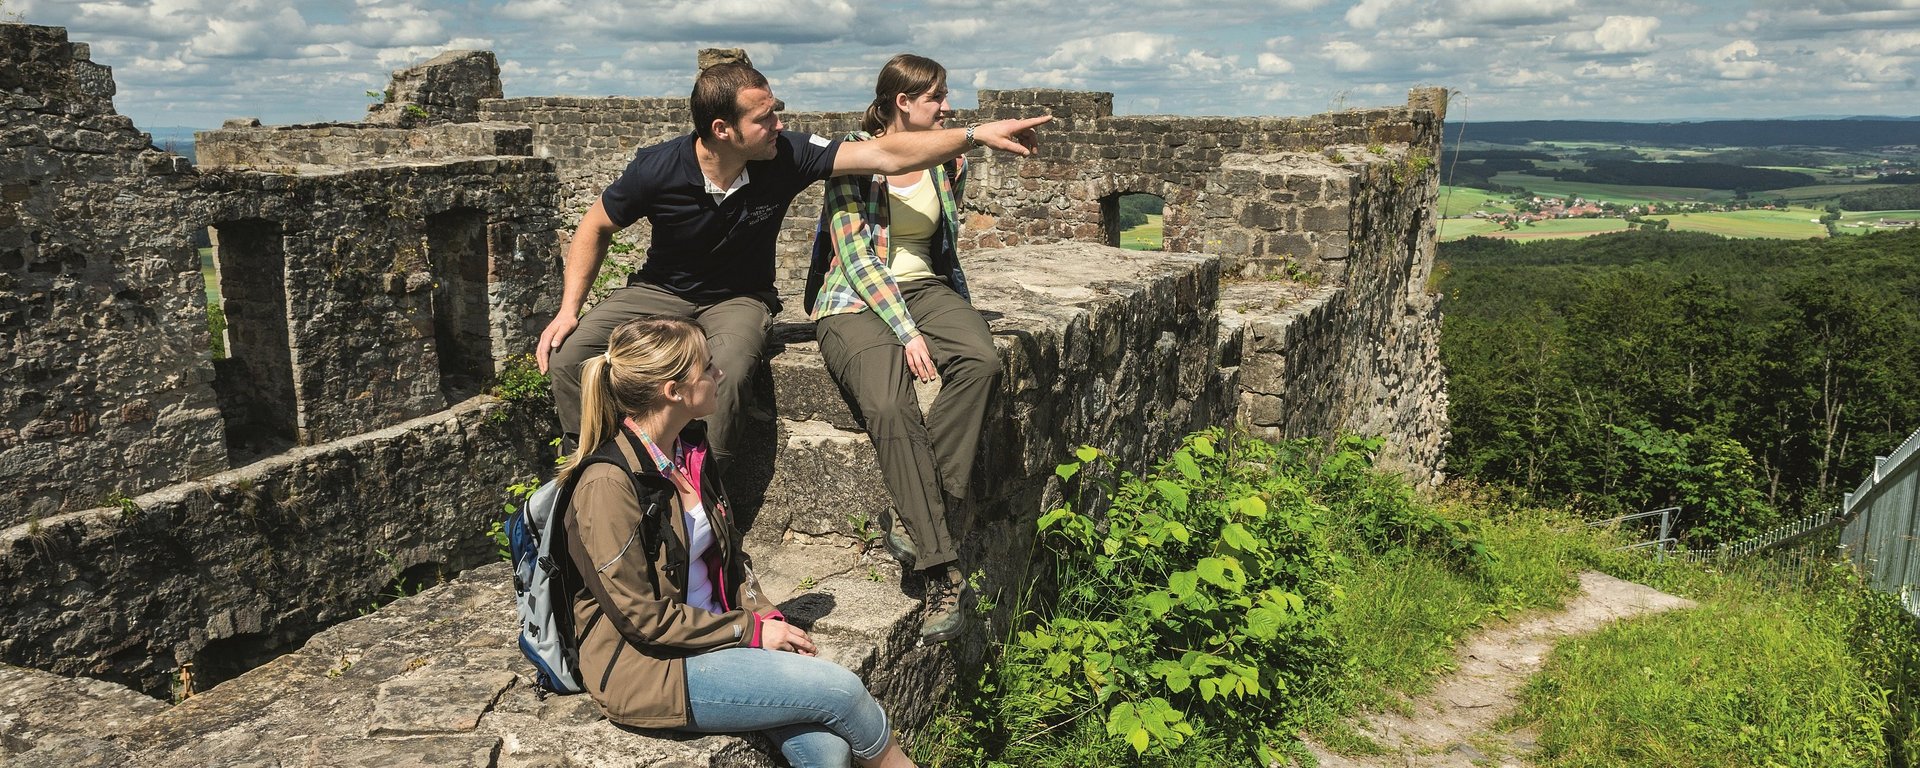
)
(1453, 724)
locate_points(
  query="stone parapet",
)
(295, 148)
(219, 574)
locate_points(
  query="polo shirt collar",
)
(720, 195)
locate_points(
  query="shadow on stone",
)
(806, 609)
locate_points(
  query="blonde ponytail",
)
(641, 355)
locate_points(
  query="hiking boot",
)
(942, 617)
(893, 535)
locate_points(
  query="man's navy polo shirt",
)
(705, 251)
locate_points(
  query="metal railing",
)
(1784, 533)
(1665, 540)
(1883, 519)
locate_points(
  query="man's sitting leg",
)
(589, 339)
(736, 337)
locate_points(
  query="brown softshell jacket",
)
(631, 551)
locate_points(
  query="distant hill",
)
(177, 138)
(1842, 134)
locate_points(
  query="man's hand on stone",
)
(556, 332)
(1015, 136)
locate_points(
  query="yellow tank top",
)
(914, 213)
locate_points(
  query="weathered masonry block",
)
(341, 294)
(178, 519)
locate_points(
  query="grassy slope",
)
(1146, 237)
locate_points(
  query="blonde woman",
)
(674, 631)
(890, 305)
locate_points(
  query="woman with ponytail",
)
(675, 632)
(890, 305)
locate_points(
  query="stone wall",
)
(300, 147)
(358, 294)
(227, 571)
(105, 382)
(375, 277)
(376, 266)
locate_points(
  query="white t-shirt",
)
(699, 540)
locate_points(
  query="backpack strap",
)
(619, 454)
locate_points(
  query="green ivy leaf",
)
(1183, 583)
(1174, 494)
(1251, 506)
(1175, 675)
(1263, 623)
(1087, 453)
(1179, 532)
(1068, 470)
(1139, 740)
(1122, 719)
(1158, 602)
(1223, 572)
(1203, 446)
(1237, 536)
(1183, 461)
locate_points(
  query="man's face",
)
(756, 132)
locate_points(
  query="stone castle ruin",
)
(190, 509)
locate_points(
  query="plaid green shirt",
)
(851, 250)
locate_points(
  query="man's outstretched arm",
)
(584, 254)
(912, 151)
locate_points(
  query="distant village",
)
(1538, 208)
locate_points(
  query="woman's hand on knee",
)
(919, 361)
(777, 635)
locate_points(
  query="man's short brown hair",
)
(716, 94)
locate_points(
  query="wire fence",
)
(1785, 533)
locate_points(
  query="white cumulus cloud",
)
(1615, 36)
(1738, 60)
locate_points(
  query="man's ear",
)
(720, 129)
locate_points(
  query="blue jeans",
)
(818, 712)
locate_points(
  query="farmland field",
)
(1617, 193)
(1795, 223)
(1860, 222)
(1818, 192)
(1462, 201)
(1455, 229)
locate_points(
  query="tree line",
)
(1743, 380)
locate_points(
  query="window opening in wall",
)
(1133, 221)
(462, 336)
(253, 354)
(210, 277)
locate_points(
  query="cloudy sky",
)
(196, 62)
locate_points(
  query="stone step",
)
(436, 679)
(61, 722)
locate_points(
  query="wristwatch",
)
(971, 141)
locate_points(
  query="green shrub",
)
(1197, 619)
(521, 381)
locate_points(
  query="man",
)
(716, 200)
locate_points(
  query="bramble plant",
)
(1196, 605)
(1199, 594)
